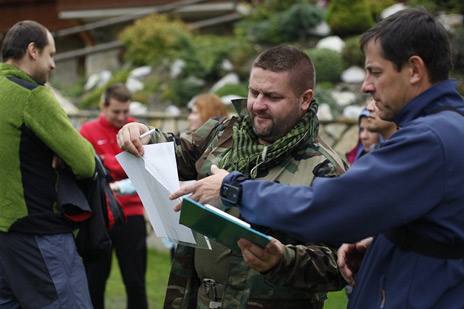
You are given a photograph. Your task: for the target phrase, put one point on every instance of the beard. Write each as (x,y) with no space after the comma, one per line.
(269,131)
(270,127)
(263,132)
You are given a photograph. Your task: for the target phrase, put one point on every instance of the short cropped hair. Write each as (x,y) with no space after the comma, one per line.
(413,32)
(19,36)
(285,58)
(117,92)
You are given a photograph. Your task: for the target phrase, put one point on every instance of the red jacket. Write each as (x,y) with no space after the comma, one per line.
(102,135)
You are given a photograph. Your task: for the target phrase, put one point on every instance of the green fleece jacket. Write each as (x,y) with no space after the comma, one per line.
(33,129)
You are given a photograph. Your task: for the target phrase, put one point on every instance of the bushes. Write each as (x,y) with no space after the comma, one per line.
(325,96)
(93,98)
(274,23)
(264,32)
(180,91)
(348,17)
(155,38)
(233,89)
(296,22)
(436,6)
(377,6)
(203,58)
(352,54)
(328,64)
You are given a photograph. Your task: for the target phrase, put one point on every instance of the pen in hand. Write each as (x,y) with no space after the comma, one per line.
(148,133)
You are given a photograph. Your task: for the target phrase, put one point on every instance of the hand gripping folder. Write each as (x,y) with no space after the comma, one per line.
(219,225)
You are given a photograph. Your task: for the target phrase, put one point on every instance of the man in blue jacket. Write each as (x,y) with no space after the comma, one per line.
(409,192)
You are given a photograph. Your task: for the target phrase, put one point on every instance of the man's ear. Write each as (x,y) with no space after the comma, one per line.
(32,51)
(417,70)
(306,99)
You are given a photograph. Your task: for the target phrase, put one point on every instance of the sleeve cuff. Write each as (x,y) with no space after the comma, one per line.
(231,189)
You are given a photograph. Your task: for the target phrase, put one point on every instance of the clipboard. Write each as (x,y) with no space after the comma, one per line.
(219,225)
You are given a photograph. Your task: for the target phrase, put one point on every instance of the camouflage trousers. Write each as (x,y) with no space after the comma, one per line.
(210,295)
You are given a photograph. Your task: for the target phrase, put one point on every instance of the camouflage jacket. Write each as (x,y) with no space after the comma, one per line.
(304,274)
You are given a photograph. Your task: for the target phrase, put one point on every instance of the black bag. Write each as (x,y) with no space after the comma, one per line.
(77,198)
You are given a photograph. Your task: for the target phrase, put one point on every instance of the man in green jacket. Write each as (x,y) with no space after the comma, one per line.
(274,138)
(39,264)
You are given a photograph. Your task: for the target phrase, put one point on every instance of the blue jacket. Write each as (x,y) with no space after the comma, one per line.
(415,179)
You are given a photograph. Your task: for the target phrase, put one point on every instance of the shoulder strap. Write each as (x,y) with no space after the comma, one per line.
(24,83)
(218,136)
(340,165)
(107,193)
(220,133)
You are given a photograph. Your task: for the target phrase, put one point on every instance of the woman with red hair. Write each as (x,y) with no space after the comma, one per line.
(204,107)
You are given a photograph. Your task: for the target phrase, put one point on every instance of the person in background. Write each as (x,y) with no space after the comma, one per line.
(378,125)
(129,239)
(367,138)
(204,107)
(39,264)
(349,256)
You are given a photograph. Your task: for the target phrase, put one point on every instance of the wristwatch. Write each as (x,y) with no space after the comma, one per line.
(231,193)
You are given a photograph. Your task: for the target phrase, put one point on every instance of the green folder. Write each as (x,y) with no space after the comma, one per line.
(219,225)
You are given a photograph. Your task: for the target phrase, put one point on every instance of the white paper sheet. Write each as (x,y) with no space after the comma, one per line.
(154,177)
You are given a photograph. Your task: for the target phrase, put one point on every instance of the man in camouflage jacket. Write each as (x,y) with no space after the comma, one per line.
(275,138)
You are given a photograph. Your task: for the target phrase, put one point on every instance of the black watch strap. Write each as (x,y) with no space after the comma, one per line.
(231,194)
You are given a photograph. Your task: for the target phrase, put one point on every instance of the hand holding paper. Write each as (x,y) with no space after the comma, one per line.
(130,138)
(154,177)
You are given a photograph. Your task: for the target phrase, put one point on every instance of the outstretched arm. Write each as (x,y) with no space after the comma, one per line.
(376,194)
(205,191)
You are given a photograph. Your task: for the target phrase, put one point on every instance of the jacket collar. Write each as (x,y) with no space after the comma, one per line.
(440,94)
(11,70)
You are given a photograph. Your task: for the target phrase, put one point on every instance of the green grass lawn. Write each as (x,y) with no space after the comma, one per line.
(157,277)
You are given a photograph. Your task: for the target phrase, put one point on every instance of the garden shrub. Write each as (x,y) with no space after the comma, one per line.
(279,22)
(204,57)
(296,22)
(180,91)
(437,6)
(233,89)
(351,53)
(377,6)
(328,64)
(264,32)
(155,38)
(323,95)
(348,17)
(92,99)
